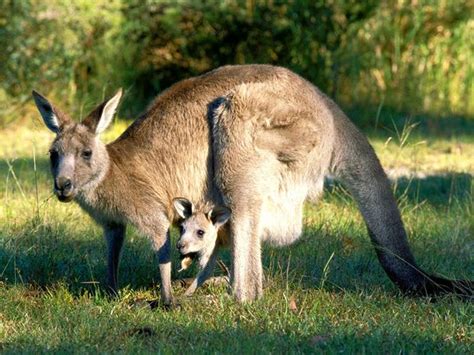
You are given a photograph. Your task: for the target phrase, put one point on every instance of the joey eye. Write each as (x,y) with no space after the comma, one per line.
(181,229)
(86,154)
(200,233)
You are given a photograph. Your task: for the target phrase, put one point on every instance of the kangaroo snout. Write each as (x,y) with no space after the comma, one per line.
(64,188)
(63,183)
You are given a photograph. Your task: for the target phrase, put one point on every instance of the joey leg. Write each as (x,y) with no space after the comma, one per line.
(203,275)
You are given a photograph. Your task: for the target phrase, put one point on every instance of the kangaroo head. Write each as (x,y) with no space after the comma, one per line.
(198,229)
(78,158)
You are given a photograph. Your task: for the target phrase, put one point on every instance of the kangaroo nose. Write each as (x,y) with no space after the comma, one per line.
(63,183)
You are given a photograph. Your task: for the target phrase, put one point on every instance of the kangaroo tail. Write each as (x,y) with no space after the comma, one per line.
(354,162)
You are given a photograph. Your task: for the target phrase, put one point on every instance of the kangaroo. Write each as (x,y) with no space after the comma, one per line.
(258,137)
(201,235)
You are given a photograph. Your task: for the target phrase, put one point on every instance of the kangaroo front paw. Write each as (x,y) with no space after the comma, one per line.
(190,291)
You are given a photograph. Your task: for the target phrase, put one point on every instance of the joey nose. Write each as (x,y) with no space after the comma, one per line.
(179,245)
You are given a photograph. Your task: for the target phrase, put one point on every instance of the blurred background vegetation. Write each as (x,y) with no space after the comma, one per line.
(411,56)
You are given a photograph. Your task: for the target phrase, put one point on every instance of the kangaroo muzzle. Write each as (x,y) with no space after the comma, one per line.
(64,188)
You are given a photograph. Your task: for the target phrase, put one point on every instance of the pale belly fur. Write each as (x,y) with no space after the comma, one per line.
(281,218)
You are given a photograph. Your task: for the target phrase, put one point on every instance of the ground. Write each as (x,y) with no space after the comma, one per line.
(325,293)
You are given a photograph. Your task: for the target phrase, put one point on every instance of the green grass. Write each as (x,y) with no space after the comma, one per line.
(326,293)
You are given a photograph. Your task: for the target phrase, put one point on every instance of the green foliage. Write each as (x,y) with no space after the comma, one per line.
(407,55)
(57,47)
(416,54)
(175,41)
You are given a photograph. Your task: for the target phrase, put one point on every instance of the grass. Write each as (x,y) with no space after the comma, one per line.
(326,293)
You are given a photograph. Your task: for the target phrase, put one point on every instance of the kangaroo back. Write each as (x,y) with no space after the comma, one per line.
(357,166)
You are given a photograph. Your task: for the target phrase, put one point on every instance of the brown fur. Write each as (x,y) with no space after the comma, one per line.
(259,138)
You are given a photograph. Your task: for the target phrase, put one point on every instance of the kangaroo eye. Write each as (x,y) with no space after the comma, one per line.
(181,229)
(54,155)
(86,154)
(200,233)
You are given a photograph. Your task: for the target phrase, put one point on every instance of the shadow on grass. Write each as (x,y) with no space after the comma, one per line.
(436,189)
(341,263)
(43,255)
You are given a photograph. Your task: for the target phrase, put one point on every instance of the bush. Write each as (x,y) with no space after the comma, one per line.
(58,47)
(409,55)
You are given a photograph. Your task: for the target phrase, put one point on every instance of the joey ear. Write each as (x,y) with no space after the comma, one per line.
(100,118)
(219,215)
(183,207)
(52,117)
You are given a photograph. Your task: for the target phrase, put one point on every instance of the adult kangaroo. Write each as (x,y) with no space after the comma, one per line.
(258,137)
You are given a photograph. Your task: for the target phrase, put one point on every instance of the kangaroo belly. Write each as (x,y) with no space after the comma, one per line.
(282,214)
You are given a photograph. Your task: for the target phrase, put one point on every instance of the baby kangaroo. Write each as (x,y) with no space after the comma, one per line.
(200,235)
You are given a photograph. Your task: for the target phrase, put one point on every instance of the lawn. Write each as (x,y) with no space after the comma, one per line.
(326,293)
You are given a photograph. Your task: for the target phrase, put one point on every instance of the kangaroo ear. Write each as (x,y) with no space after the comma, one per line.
(53,118)
(183,207)
(219,215)
(99,119)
